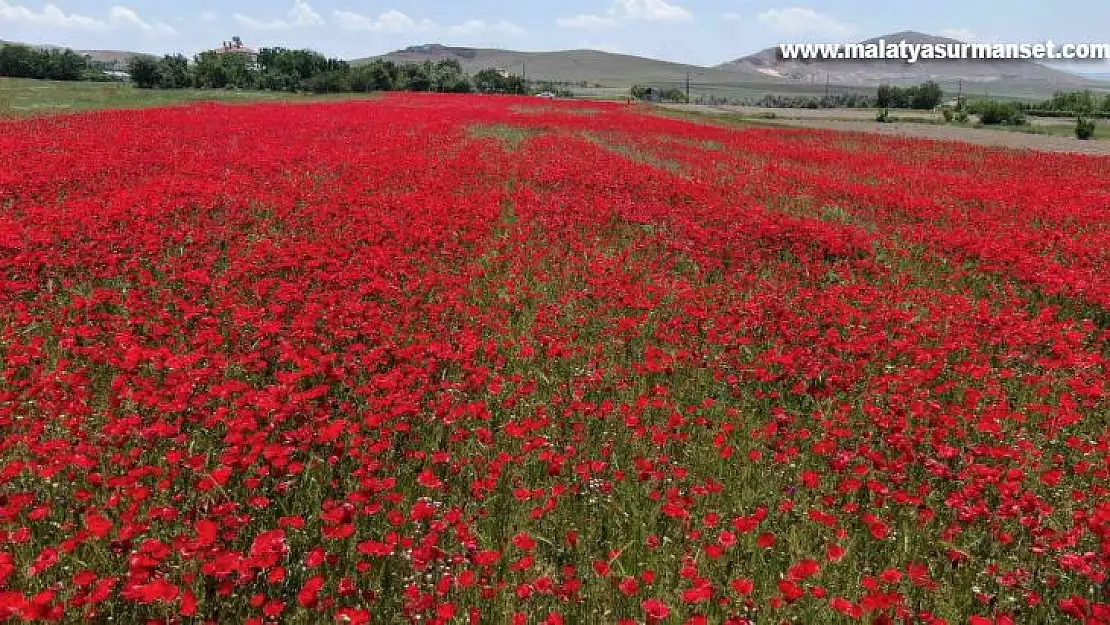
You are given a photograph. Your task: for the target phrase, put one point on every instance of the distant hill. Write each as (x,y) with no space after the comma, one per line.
(1011,74)
(592,67)
(604,74)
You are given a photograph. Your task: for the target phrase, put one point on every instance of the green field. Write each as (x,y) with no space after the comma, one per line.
(22,97)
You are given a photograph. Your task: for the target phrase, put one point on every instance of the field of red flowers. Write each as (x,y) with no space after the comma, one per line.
(458,359)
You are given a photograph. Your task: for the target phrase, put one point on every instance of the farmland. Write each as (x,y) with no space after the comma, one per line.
(450,359)
(24,97)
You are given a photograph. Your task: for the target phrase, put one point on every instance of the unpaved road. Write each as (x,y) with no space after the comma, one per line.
(834,119)
(979,136)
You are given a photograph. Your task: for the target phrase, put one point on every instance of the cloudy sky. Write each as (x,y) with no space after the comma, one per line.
(703,32)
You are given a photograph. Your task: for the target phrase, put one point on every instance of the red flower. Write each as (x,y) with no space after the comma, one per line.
(804,569)
(655,610)
(743,586)
(310,591)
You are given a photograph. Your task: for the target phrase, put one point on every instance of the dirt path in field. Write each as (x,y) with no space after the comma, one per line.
(998,138)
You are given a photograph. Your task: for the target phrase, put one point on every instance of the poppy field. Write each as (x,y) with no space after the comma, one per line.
(457,359)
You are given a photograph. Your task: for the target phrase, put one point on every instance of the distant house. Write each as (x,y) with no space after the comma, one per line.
(236,47)
(504,73)
(117,75)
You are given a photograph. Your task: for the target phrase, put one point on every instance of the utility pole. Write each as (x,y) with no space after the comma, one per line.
(524,71)
(826,86)
(960,94)
(687,87)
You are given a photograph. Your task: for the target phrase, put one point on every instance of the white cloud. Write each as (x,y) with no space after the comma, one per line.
(731,16)
(396,22)
(627,10)
(652,10)
(475,27)
(962,34)
(302,14)
(119,17)
(586,22)
(803,21)
(389,22)
(209,16)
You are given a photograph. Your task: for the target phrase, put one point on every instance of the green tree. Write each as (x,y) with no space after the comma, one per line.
(144,71)
(20,61)
(1084,128)
(448,77)
(65,65)
(377,75)
(17,61)
(993,112)
(926,96)
(334,81)
(673,95)
(174,72)
(416,77)
(216,70)
(891,96)
(491,81)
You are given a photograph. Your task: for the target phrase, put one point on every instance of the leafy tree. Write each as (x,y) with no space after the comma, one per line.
(174,72)
(448,77)
(1075,102)
(491,81)
(416,77)
(217,70)
(144,71)
(274,80)
(65,65)
(890,96)
(20,61)
(926,96)
(673,95)
(377,75)
(993,112)
(334,81)
(1084,128)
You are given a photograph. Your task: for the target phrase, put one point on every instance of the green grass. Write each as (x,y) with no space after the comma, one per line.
(1102,129)
(21,97)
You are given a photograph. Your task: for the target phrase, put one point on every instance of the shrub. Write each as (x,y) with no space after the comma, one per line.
(1084,128)
(993,113)
(948,114)
(883,117)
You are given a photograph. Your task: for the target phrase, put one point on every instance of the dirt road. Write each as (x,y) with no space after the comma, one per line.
(849,120)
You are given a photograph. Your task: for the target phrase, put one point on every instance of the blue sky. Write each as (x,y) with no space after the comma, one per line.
(703,32)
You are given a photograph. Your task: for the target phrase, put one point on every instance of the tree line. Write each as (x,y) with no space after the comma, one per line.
(1072,103)
(281,69)
(925,97)
(274,69)
(18,61)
